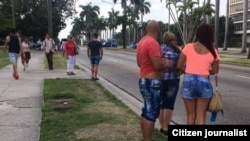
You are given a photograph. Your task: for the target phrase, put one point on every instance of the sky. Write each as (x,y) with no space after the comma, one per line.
(158,11)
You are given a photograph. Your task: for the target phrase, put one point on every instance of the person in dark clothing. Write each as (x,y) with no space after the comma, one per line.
(95,53)
(13,43)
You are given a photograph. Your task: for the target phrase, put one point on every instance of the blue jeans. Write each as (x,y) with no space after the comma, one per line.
(95,60)
(150,91)
(169,90)
(196,86)
(13,57)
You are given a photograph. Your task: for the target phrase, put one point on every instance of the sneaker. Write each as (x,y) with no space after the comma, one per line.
(72,73)
(16,76)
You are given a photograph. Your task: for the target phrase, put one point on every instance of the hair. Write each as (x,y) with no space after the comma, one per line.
(13,31)
(205,35)
(169,39)
(70,37)
(95,35)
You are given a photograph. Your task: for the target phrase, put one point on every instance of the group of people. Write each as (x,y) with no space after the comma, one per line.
(22,47)
(15,45)
(159,79)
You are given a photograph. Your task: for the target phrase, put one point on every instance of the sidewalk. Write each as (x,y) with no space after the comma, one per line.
(21,100)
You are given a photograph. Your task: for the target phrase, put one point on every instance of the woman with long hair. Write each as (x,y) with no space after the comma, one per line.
(201,59)
(170,81)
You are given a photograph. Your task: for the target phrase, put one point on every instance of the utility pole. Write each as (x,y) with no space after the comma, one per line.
(13,14)
(49,6)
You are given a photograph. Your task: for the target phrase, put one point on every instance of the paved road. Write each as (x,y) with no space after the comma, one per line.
(121,70)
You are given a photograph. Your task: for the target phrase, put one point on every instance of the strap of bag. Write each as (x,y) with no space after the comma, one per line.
(214,114)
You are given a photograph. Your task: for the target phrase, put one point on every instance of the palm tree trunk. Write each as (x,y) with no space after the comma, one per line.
(184,22)
(217,13)
(248,56)
(244,35)
(226,28)
(124,23)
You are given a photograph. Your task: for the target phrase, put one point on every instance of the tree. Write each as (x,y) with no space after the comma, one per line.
(187,15)
(226,28)
(216,24)
(112,21)
(88,17)
(32,18)
(244,35)
(124,18)
(143,8)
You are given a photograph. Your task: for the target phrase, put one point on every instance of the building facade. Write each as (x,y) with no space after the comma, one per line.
(236,13)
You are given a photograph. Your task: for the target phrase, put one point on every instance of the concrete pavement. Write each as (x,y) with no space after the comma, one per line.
(21,100)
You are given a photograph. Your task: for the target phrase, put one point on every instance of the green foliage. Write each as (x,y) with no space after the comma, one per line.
(4,58)
(32,16)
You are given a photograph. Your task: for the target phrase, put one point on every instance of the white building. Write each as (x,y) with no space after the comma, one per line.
(236,13)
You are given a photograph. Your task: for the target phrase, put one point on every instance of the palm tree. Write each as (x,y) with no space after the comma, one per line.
(216,24)
(88,16)
(244,35)
(124,19)
(112,21)
(226,28)
(143,8)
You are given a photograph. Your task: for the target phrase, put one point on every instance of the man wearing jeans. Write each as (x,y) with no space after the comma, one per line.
(13,43)
(95,53)
(149,60)
(49,46)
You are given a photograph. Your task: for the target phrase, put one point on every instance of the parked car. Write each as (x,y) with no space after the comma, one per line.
(110,43)
(132,45)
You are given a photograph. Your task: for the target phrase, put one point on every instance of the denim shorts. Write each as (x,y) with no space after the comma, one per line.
(150,91)
(95,60)
(13,57)
(196,86)
(169,92)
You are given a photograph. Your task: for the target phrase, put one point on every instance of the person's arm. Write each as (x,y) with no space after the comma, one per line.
(138,61)
(101,52)
(88,51)
(7,40)
(214,68)
(181,64)
(158,64)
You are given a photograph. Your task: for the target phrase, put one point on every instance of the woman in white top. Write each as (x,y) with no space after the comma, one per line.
(26,55)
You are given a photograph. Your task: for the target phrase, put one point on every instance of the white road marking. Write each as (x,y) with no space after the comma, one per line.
(242,76)
(113,60)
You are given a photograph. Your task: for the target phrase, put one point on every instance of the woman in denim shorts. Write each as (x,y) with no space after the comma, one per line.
(200,59)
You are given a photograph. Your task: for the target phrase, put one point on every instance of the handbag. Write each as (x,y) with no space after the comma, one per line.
(76,50)
(216,103)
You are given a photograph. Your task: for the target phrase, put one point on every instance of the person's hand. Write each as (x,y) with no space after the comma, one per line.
(167,63)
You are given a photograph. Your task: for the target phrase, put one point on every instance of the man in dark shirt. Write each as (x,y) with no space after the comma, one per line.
(95,53)
(13,43)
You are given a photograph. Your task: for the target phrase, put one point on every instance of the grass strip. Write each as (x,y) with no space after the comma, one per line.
(83,110)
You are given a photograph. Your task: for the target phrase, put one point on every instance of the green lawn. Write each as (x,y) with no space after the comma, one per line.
(4,58)
(83,110)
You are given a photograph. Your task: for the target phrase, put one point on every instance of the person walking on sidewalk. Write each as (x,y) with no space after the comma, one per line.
(49,46)
(69,49)
(170,81)
(149,60)
(201,59)
(13,43)
(95,53)
(26,55)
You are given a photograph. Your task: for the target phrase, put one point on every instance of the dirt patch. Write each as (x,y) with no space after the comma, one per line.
(108,132)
